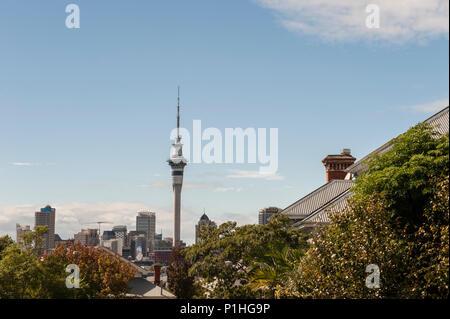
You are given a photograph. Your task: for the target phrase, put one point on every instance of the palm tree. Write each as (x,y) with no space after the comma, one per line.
(272,270)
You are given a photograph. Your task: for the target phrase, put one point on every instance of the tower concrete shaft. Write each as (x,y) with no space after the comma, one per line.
(177,184)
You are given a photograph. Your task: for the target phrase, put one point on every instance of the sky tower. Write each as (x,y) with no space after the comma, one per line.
(177,162)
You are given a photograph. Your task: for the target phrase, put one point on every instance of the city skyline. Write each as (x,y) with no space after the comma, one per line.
(90,135)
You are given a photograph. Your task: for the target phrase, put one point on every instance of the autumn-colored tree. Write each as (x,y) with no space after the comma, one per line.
(101,274)
(24,273)
(179,280)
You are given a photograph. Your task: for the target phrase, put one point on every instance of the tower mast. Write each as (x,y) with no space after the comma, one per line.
(178,116)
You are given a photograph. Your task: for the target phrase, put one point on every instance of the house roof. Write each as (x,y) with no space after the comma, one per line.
(320,216)
(142,287)
(317,199)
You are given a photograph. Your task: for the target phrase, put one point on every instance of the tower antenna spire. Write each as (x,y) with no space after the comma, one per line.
(178,115)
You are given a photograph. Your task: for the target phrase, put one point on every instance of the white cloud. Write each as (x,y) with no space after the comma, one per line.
(159,184)
(336,20)
(31,164)
(22,164)
(254,174)
(430,107)
(228,189)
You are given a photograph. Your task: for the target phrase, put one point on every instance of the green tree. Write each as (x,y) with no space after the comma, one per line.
(223,258)
(179,280)
(430,276)
(20,274)
(272,270)
(397,219)
(5,241)
(402,176)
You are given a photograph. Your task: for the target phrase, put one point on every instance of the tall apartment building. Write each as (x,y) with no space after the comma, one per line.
(46,217)
(20,230)
(146,222)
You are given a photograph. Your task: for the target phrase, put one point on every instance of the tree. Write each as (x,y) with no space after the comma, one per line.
(102,275)
(20,274)
(359,236)
(401,177)
(24,273)
(179,280)
(223,258)
(272,271)
(5,241)
(35,239)
(397,219)
(430,277)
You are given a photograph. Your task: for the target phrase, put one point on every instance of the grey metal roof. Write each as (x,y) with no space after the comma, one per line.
(317,199)
(439,121)
(320,216)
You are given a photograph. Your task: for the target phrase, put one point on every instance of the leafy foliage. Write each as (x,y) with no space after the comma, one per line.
(179,280)
(5,241)
(224,257)
(397,219)
(24,273)
(402,176)
(101,274)
(272,272)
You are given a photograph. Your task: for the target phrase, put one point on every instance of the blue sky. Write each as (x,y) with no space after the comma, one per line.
(85,114)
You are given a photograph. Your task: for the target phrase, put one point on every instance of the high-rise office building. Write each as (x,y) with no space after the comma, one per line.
(46,217)
(20,230)
(146,222)
(265,214)
(177,163)
(121,233)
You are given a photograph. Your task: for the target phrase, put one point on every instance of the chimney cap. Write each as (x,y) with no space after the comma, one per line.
(346,151)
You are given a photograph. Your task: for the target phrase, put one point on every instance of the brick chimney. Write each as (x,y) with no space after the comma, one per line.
(335,165)
(157,274)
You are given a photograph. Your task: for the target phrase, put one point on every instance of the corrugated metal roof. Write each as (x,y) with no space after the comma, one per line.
(439,121)
(317,199)
(320,216)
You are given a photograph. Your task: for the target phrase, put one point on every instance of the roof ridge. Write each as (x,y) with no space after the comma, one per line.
(436,114)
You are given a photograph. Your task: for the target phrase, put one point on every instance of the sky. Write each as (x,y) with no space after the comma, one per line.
(86,114)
